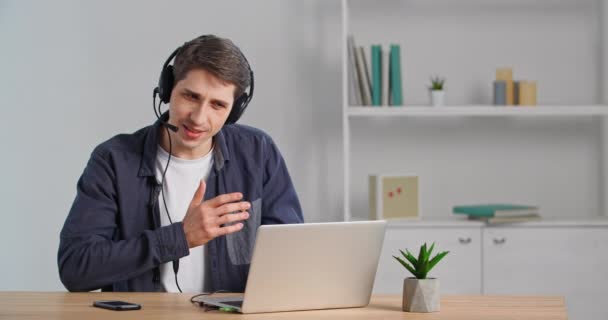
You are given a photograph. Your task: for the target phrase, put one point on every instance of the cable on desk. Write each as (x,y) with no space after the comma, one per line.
(204,305)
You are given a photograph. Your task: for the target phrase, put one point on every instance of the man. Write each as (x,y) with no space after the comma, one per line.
(177,204)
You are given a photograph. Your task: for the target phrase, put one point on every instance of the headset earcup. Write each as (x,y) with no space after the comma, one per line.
(165,84)
(238,108)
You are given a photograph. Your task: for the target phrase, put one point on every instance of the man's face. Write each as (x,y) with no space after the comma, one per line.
(199,106)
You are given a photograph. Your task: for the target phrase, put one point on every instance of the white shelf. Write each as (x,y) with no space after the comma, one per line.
(475,110)
(583,94)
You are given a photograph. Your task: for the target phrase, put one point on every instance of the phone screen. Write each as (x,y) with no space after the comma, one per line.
(117,305)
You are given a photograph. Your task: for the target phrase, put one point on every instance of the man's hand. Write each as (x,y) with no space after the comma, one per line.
(203,221)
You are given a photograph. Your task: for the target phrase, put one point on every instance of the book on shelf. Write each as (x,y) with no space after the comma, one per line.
(493,210)
(385,76)
(355,97)
(376,75)
(375,81)
(364,81)
(506,219)
(395,75)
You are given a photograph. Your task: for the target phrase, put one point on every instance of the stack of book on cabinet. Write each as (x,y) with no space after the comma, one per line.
(498,213)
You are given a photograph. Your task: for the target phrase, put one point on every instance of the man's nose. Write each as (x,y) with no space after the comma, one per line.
(199,114)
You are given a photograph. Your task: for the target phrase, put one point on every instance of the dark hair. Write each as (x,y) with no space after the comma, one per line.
(219,56)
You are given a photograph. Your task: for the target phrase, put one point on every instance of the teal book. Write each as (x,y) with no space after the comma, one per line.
(376,75)
(395,75)
(510,219)
(495,210)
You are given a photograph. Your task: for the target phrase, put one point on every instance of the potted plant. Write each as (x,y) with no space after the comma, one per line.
(421,294)
(437,91)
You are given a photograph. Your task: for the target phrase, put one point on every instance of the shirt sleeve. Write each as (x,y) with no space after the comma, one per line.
(280,202)
(89,257)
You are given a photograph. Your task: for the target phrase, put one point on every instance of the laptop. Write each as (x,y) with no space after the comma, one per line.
(309,267)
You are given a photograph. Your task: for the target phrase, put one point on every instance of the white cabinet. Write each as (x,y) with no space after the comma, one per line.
(568,261)
(459,271)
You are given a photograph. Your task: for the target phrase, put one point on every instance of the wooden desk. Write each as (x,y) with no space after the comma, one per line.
(55,305)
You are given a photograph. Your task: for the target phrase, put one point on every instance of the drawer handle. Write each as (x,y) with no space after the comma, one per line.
(500,241)
(464,240)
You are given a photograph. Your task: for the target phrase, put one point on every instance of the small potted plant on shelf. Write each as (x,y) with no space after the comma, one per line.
(437,91)
(421,294)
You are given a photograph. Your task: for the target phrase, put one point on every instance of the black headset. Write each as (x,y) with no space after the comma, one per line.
(167,81)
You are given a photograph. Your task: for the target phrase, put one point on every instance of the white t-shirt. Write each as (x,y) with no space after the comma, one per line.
(181,181)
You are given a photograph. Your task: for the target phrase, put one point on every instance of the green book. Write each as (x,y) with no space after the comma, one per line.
(495,210)
(376,75)
(513,219)
(396,98)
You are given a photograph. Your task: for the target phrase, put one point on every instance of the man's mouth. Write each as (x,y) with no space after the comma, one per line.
(192,133)
(193,129)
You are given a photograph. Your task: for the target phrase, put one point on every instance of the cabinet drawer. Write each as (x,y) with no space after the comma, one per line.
(570,262)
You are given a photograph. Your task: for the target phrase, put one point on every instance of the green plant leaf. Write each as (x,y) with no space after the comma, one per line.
(409,253)
(403,262)
(437,83)
(422,262)
(436,260)
(430,252)
(421,266)
(406,265)
(427,256)
(422,275)
(410,258)
(421,254)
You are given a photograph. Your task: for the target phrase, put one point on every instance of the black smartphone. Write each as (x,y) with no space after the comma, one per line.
(116,305)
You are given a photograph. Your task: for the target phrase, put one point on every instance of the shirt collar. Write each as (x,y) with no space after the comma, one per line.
(146,167)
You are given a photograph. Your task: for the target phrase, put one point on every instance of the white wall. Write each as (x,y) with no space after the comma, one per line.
(75,73)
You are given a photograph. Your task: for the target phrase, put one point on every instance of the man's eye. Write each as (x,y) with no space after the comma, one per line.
(190,96)
(218,105)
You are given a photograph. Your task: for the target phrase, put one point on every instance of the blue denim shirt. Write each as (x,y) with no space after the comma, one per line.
(112,238)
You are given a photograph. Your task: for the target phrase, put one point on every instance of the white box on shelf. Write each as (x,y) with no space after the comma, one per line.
(394,197)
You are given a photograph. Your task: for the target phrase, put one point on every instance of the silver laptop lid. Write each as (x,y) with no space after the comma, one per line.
(313,266)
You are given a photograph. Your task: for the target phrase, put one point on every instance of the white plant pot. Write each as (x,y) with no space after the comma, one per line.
(421,295)
(437,98)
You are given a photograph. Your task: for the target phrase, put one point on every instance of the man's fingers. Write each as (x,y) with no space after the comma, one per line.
(228,218)
(224,198)
(232,207)
(229,229)
(199,194)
